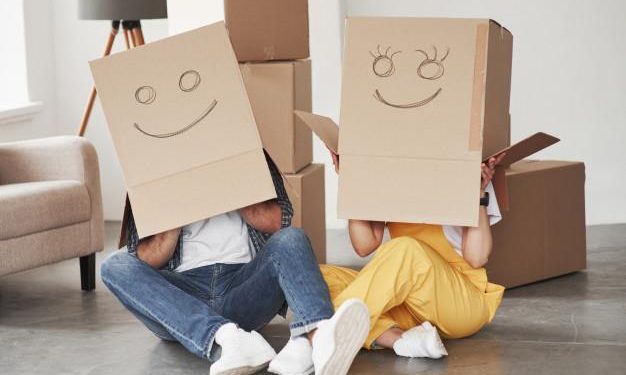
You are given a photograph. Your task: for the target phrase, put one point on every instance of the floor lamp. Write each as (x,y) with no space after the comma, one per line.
(128,14)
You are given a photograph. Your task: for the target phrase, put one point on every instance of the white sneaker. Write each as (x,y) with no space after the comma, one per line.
(422,341)
(243,352)
(338,339)
(294,359)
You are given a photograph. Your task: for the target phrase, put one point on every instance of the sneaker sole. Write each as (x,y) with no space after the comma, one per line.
(307,372)
(246,370)
(351,331)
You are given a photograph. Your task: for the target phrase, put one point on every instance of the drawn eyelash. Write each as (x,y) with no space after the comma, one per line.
(382,58)
(429,61)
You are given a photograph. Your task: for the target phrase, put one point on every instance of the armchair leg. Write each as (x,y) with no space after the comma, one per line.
(88,272)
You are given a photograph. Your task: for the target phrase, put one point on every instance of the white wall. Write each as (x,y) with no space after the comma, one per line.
(568,80)
(33,32)
(13,89)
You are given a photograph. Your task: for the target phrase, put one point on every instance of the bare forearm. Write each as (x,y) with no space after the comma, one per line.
(157,250)
(365,235)
(477,241)
(265,216)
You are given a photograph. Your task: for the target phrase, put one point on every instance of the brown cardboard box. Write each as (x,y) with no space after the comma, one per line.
(423,101)
(306,192)
(183,129)
(263,30)
(275,90)
(542,235)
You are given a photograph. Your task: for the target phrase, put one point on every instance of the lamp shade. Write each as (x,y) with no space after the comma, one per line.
(129,10)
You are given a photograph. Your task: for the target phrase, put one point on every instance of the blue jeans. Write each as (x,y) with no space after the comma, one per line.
(190,306)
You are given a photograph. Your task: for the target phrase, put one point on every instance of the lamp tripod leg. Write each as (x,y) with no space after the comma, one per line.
(115,25)
(127,39)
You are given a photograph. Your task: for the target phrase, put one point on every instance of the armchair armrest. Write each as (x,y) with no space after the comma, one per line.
(57,158)
(45,159)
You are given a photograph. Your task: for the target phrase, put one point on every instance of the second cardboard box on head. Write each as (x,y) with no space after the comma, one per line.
(271,41)
(424,102)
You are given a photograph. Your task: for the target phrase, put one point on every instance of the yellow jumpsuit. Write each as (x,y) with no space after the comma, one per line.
(417,276)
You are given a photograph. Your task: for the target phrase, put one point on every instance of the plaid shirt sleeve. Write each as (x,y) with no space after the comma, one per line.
(259,238)
(132,240)
(281,194)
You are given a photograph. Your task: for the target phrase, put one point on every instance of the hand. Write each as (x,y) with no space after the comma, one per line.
(157,249)
(335,158)
(487,170)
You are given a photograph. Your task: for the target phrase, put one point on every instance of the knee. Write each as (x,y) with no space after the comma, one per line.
(288,242)
(116,265)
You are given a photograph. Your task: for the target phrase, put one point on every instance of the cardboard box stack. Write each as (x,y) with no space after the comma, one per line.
(271,42)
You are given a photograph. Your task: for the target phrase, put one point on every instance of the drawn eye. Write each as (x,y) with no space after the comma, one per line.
(431,68)
(383,65)
(145,94)
(189,80)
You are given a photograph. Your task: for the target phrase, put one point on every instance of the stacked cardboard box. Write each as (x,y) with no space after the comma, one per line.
(271,42)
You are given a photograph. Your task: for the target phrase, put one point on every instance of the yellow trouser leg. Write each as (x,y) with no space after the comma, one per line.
(338,279)
(407,273)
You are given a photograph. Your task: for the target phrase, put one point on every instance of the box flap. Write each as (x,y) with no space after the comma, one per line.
(210,190)
(525,148)
(515,153)
(395,196)
(323,127)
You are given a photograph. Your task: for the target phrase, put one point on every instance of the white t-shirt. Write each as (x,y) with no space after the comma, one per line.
(218,239)
(454,234)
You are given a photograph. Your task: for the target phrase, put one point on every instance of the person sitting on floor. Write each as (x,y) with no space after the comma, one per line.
(211,284)
(426,279)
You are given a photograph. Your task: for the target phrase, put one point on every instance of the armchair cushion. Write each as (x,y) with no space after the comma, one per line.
(32,207)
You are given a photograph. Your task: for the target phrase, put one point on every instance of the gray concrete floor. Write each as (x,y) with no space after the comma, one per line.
(574,324)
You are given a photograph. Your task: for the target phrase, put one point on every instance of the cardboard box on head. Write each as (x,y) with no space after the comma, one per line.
(183,129)
(423,101)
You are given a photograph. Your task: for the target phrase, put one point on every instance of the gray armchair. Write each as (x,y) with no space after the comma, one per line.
(50,205)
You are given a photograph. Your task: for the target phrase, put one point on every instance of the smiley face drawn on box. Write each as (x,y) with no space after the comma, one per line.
(188,82)
(176,104)
(430,68)
(407,87)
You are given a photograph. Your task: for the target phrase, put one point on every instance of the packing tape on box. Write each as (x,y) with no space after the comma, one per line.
(478,95)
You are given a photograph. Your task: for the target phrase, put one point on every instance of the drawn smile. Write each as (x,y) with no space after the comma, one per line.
(182,130)
(378,96)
